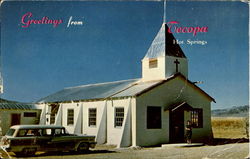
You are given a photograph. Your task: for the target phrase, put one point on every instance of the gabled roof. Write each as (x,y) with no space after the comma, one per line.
(88,92)
(109,90)
(23,106)
(136,88)
(183,78)
(163,45)
(117,89)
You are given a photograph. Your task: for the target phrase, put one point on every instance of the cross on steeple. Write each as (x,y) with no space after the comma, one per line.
(176,64)
(167,55)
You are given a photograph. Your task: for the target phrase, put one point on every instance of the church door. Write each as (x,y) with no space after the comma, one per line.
(177,126)
(15,119)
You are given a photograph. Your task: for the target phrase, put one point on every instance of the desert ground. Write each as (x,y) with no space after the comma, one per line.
(229,127)
(225,151)
(230,143)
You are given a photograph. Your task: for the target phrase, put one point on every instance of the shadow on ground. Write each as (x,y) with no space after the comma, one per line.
(223,141)
(75,153)
(44,154)
(211,142)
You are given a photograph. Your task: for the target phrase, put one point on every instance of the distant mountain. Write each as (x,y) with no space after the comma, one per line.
(235,111)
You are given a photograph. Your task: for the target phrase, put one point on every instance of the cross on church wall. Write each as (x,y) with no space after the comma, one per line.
(176,65)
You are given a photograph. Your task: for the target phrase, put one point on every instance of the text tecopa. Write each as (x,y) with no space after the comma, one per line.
(180,29)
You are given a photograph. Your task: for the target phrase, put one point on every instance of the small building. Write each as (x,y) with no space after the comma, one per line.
(147,111)
(13,113)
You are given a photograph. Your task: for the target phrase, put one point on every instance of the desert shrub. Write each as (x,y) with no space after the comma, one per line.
(228,122)
(229,127)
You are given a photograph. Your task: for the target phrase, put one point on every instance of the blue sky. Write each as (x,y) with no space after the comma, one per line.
(42,59)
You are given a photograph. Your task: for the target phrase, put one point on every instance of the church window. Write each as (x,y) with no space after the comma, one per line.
(197,118)
(153,117)
(153,63)
(119,116)
(92,116)
(70,119)
(52,118)
(54,109)
(29,114)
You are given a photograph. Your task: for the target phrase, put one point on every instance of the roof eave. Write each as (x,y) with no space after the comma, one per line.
(87,100)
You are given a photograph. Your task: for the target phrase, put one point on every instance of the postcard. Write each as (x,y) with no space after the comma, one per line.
(124,79)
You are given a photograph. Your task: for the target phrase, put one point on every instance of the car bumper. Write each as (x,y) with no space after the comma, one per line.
(12,148)
(5,147)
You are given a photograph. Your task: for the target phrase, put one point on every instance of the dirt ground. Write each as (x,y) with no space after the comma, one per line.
(224,151)
(228,144)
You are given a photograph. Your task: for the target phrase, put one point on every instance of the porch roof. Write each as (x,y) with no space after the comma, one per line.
(180,105)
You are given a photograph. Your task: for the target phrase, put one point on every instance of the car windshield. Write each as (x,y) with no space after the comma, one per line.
(10,132)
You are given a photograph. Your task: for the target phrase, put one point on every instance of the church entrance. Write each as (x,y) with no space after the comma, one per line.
(15,119)
(177,125)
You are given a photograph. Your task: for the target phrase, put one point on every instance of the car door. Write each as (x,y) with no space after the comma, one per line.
(61,141)
(43,139)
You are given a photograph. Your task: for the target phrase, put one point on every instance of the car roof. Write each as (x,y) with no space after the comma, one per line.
(36,127)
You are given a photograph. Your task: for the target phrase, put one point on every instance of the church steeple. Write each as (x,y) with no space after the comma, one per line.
(164,44)
(164,57)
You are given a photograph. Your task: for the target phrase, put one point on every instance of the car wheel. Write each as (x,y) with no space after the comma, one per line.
(18,154)
(26,152)
(83,147)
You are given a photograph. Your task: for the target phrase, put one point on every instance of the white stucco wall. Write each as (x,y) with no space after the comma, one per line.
(196,101)
(104,130)
(100,129)
(144,136)
(171,66)
(174,91)
(58,117)
(120,136)
(65,107)
(166,68)
(153,73)
(43,108)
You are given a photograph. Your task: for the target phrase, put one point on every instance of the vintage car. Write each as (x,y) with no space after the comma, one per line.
(27,139)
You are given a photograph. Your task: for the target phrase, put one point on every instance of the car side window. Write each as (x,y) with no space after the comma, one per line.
(41,132)
(21,132)
(36,132)
(59,132)
(32,133)
(47,132)
(28,132)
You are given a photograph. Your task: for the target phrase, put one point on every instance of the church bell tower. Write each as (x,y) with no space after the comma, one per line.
(164,58)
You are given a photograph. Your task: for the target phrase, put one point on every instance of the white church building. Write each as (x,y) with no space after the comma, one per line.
(147,111)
